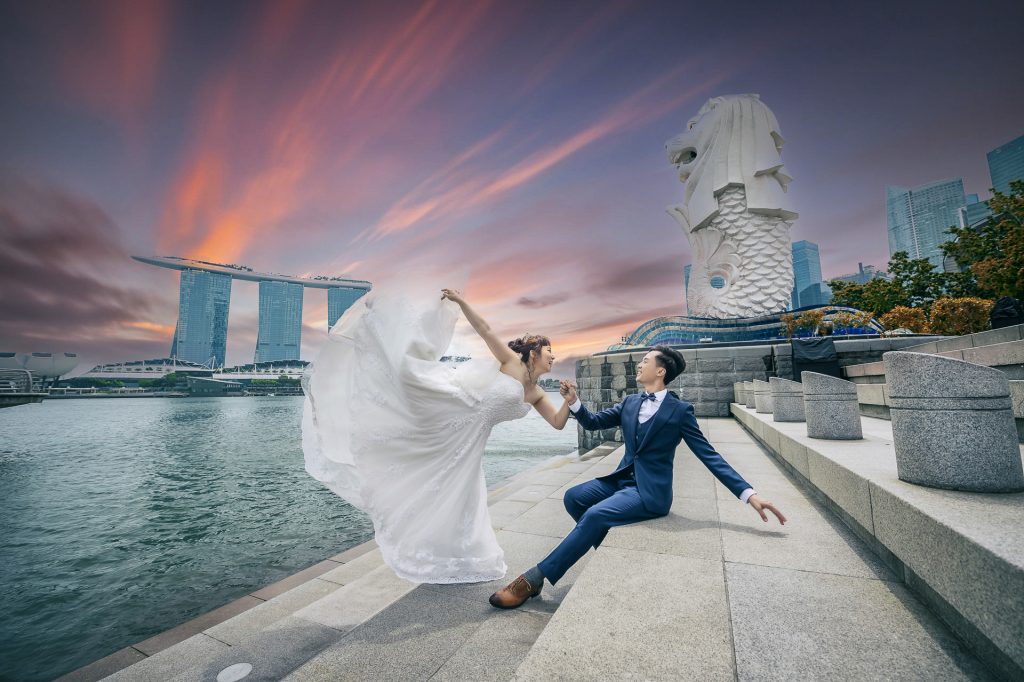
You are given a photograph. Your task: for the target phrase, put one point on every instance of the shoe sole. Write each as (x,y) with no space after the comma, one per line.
(500,606)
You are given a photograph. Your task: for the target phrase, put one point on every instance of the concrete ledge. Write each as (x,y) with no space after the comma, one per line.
(962,553)
(986,338)
(246,617)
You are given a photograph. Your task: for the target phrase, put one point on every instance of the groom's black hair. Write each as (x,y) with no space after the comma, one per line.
(671,360)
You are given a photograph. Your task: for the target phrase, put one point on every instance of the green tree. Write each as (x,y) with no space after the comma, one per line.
(994,252)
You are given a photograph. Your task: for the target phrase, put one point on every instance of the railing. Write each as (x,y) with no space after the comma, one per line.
(15,381)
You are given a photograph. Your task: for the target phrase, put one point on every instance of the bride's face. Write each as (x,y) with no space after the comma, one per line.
(543,359)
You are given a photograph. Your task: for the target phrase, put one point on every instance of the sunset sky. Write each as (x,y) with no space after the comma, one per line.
(519,143)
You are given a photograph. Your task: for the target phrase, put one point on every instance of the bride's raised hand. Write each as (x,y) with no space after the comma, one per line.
(453,295)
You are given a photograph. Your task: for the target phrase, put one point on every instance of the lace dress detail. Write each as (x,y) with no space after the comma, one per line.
(400,435)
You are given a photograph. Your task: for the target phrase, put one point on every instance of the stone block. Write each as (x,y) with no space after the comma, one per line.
(1017,398)
(871,394)
(714,364)
(618,383)
(705,380)
(762,396)
(748,394)
(954,343)
(994,336)
(787,400)
(967,549)
(617,624)
(863,629)
(725,378)
(1010,353)
(952,424)
(737,392)
(743,364)
(830,407)
(928,347)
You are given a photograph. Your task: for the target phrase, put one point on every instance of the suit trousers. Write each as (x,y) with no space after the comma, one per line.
(596,506)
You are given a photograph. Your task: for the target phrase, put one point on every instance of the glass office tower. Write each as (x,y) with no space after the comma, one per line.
(280,328)
(806,271)
(202,329)
(340,299)
(918,217)
(1006,163)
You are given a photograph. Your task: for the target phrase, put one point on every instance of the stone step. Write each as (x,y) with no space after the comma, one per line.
(960,552)
(710,592)
(1007,356)
(281,626)
(976,340)
(451,632)
(275,593)
(319,609)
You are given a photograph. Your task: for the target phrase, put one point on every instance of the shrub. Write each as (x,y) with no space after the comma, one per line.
(907,318)
(810,319)
(958,316)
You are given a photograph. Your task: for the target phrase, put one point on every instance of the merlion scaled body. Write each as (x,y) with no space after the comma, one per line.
(735,211)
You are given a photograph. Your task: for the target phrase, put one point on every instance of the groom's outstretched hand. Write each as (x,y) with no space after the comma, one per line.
(760,505)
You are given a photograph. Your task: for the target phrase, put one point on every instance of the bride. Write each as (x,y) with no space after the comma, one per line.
(401,435)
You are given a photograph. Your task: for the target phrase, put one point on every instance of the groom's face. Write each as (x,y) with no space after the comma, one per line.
(648,371)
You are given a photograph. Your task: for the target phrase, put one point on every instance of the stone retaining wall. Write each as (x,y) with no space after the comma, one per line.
(606,378)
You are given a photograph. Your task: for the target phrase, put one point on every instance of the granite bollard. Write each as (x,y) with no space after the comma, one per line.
(737,391)
(762,396)
(952,424)
(830,407)
(748,394)
(787,400)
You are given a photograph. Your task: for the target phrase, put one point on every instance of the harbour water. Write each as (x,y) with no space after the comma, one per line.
(123,518)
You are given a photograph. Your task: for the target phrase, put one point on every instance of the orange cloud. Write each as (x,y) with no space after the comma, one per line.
(273,172)
(455,191)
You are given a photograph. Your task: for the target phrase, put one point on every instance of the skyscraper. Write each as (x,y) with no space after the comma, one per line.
(339,300)
(280,330)
(918,217)
(1006,163)
(202,329)
(806,271)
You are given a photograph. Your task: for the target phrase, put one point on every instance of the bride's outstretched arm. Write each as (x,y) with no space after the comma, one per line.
(557,418)
(498,348)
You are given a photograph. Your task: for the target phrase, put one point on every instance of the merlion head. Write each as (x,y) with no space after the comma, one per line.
(733,140)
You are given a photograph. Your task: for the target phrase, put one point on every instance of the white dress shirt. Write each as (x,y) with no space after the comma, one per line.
(647,410)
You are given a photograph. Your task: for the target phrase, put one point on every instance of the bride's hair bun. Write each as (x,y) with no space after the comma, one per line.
(526,343)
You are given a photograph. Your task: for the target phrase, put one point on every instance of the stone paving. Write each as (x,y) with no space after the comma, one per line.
(707,592)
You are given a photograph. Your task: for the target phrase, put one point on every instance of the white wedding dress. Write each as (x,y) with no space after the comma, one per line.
(400,435)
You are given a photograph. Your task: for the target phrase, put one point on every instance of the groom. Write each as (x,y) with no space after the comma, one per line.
(640,488)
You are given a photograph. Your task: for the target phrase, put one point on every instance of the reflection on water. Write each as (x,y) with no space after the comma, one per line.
(124,517)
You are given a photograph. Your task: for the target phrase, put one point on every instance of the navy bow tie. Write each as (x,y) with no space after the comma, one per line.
(648,396)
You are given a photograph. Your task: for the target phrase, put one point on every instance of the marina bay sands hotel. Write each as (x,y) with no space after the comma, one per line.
(201,333)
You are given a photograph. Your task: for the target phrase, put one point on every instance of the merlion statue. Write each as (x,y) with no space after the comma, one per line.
(735,209)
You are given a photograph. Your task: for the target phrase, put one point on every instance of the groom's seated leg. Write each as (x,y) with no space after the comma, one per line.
(582,497)
(619,509)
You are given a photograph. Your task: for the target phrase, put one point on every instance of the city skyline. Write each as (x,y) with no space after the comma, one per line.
(519,144)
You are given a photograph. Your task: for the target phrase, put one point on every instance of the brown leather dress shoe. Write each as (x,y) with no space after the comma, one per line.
(514,594)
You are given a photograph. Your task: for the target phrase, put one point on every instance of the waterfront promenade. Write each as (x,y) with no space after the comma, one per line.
(708,592)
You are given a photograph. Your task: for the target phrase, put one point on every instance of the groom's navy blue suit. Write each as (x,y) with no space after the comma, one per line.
(640,488)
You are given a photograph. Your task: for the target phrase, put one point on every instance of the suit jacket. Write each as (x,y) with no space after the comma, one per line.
(652,459)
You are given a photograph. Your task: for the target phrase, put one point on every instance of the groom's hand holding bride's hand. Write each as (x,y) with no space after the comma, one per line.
(568,391)
(760,505)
